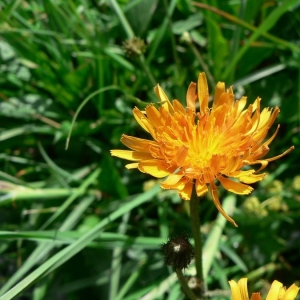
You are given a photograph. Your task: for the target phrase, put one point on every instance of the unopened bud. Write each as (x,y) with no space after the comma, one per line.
(178,252)
(134,47)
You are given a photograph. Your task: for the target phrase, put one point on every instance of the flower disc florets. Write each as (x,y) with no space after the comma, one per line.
(202,146)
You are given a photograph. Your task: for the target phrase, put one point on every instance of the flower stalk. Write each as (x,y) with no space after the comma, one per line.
(195,222)
(184,285)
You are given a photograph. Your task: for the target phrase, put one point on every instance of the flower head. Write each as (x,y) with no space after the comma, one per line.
(277,291)
(178,252)
(200,147)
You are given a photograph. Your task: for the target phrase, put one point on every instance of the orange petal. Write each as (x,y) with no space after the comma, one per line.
(178,107)
(217,203)
(231,96)
(180,156)
(223,99)
(235,187)
(255,296)
(278,156)
(154,167)
(258,153)
(191,96)
(154,116)
(131,155)
(202,88)
(220,89)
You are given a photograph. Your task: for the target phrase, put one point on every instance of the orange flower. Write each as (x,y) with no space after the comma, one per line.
(277,291)
(212,144)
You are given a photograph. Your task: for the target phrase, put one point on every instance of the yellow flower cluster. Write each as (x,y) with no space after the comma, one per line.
(277,291)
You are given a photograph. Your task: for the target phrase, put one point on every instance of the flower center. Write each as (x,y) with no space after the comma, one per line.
(204,149)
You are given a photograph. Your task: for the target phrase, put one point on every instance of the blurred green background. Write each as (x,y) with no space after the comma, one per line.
(75,224)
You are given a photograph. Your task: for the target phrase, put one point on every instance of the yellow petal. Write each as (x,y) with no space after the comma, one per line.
(274,290)
(291,293)
(132,166)
(268,142)
(143,121)
(252,178)
(191,96)
(131,155)
(281,293)
(235,187)
(201,188)
(242,283)
(263,163)
(235,291)
(240,291)
(256,104)
(172,179)
(217,203)
(186,192)
(202,88)
(247,176)
(163,98)
(154,167)
(137,144)
(241,104)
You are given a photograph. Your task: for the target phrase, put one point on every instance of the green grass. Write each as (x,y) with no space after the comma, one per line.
(74,223)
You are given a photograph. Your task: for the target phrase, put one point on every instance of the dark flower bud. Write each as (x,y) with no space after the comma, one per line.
(134,46)
(178,252)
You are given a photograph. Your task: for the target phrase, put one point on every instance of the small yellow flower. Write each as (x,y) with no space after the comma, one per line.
(212,144)
(277,291)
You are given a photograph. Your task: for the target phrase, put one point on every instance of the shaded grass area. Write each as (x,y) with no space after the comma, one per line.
(75,223)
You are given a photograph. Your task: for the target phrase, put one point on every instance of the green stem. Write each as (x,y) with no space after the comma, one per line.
(195,220)
(184,285)
(122,18)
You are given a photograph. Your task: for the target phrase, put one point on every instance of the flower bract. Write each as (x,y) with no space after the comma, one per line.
(197,145)
(277,291)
